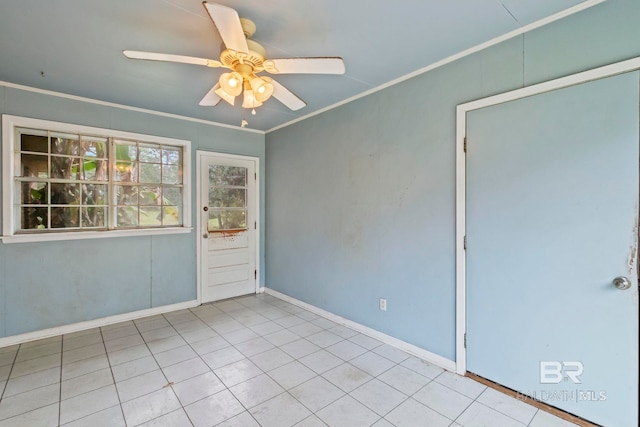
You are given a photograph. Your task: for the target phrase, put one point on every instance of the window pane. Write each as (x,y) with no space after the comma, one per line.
(150,216)
(227,220)
(37,143)
(127,216)
(92,146)
(65,194)
(34,218)
(171,174)
(171,156)
(68,145)
(171,215)
(172,196)
(150,173)
(65,167)
(94,194)
(227,197)
(34,193)
(149,153)
(126,172)
(95,170)
(34,165)
(149,196)
(94,216)
(126,195)
(227,175)
(65,217)
(126,151)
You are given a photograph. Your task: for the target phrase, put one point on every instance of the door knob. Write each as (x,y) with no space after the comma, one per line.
(621,283)
(205,236)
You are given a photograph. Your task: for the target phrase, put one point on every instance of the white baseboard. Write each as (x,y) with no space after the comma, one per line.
(421,353)
(96,323)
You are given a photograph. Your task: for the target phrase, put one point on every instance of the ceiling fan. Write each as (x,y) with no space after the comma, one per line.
(245,59)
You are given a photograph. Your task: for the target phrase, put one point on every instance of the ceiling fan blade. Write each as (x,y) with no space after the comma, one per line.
(329,65)
(228,23)
(135,54)
(211,99)
(287,97)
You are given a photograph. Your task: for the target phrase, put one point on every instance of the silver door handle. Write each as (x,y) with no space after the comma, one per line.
(622,283)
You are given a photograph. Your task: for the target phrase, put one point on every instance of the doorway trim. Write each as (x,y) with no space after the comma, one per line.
(461,134)
(199,226)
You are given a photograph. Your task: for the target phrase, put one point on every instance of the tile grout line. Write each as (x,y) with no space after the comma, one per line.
(13,364)
(60,386)
(112,376)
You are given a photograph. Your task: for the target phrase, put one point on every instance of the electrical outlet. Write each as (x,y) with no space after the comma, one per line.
(383,304)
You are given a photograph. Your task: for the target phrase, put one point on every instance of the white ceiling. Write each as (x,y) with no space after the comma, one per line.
(74,46)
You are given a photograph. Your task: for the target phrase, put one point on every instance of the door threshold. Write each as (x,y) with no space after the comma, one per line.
(533,402)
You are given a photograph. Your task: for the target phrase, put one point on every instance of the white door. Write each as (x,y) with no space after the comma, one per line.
(552,199)
(227,225)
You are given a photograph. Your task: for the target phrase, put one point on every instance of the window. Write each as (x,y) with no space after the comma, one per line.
(60,178)
(227,198)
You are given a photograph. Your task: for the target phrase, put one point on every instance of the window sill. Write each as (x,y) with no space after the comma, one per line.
(80,235)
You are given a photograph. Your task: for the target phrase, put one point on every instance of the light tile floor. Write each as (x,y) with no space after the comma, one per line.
(249,361)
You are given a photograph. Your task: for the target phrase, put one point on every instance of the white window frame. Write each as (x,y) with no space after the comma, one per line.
(10,144)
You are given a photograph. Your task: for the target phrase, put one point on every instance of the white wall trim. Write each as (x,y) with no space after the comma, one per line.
(421,353)
(525,29)
(81,235)
(96,323)
(125,107)
(461,133)
(256,160)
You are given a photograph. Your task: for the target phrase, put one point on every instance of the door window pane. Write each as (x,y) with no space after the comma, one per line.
(227,219)
(227,197)
(227,176)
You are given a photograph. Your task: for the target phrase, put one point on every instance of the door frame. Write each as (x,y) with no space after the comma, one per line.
(200,154)
(461,134)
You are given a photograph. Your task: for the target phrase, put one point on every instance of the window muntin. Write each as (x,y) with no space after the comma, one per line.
(68,181)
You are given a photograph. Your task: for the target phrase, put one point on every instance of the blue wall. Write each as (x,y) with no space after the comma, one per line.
(361,199)
(49,284)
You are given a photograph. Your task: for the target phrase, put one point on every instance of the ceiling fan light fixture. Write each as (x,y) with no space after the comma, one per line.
(262,88)
(224,95)
(231,83)
(249,100)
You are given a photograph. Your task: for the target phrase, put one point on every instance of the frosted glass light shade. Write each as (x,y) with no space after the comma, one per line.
(262,88)
(224,95)
(231,83)
(249,100)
